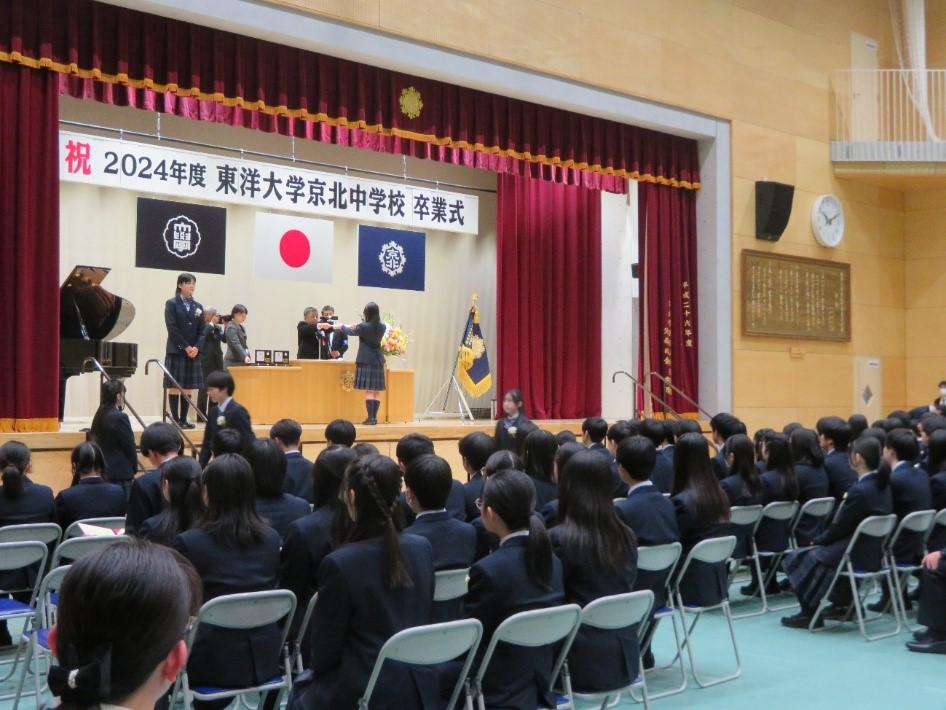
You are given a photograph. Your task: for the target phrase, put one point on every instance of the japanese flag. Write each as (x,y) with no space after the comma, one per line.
(294,248)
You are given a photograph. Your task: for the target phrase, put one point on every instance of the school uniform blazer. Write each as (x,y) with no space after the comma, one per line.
(911,492)
(505,442)
(518,678)
(232,657)
(91,497)
(308,338)
(280,512)
(600,448)
(703,584)
(599,659)
(211,355)
(863,500)
(298,476)
(662,475)
(812,482)
(184,329)
(332,340)
(472,490)
(307,542)
(841,477)
(650,514)
(549,514)
(237,352)
(773,536)
(117,442)
(236,417)
(938,491)
(369,337)
(144,500)
(545,491)
(619,488)
(355,614)
(35,505)
(456,504)
(453,541)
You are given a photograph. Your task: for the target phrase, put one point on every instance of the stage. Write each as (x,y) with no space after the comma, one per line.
(51,465)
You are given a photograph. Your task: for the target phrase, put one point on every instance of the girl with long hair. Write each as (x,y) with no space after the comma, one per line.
(111,429)
(90,495)
(538,457)
(369,361)
(180,487)
(742,486)
(277,508)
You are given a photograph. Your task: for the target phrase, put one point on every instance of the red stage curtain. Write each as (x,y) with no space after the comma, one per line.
(127,57)
(29,249)
(667,238)
(548,296)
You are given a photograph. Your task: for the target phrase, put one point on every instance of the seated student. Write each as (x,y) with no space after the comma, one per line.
(180,485)
(809,465)
(723,426)
(311,538)
(501,460)
(521,574)
(111,429)
(276,508)
(475,448)
(365,449)
(834,434)
(550,511)
(932,611)
(646,510)
(565,436)
(617,433)
(226,413)
(858,423)
(538,458)
(662,475)
(340,432)
(122,615)
(412,446)
(936,457)
(780,484)
(743,485)
(160,442)
(758,440)
(599,558)
(90,495)
(594,430)
(233,551)
(287,433)
(378,583)
(702,513)
(810,570)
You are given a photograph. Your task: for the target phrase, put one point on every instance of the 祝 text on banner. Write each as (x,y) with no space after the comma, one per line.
(156,169)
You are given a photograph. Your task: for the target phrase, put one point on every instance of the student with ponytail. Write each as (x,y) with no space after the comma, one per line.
(376,584)
(522,573)
(90,495)
(180,486)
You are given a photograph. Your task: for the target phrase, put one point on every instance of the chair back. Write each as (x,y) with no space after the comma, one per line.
(46,599)
(618,611)
(711,551)
(817,507)
(72,549)
(296,656)
(17,555)
(656,558)
(781,510)
(248,610)
(919,523)
(428,645)
(865,551)
(450,584)
(111,523)
(47,533)
(746,515)
(936,535)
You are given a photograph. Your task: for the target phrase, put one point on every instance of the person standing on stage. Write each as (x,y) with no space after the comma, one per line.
(333,344)
(211,357)
(183,317)
(369,362)
(310,336)
(235,335)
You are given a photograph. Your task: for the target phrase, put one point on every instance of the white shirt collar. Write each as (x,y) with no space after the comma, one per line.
(640,485)
(518,533)
(223,405)
(429,512)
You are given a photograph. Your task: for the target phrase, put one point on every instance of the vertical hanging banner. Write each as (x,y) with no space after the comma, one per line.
(293,248)
(391,258)
(178,236)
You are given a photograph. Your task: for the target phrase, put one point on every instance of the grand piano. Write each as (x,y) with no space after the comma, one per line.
(89,317)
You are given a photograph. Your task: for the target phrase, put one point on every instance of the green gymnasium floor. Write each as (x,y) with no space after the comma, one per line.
(787,668)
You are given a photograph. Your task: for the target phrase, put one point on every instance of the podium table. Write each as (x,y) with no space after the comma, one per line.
(318,391)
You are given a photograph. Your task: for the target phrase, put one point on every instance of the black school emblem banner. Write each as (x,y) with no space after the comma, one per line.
(179,236)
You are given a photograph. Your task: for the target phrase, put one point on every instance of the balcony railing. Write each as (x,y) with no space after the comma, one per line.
(889,115)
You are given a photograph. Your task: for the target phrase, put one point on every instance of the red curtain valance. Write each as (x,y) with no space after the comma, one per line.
(128,57)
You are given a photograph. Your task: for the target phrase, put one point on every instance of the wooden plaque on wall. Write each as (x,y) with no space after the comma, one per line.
(795,297)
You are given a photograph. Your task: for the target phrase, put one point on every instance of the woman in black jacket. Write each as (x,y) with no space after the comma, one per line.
(111,430)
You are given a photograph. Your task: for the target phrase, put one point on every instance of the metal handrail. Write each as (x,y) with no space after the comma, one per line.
(646,390)
(667,383)
(165,413)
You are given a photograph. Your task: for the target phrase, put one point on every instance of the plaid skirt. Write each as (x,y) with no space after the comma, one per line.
(186,370)
(369,377)
(809,578)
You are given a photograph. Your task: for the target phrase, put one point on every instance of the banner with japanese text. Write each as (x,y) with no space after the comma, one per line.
(162,170)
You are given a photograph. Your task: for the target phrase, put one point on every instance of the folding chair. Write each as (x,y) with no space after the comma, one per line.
(295,652)
(541,627)
(747,518)
(658,562)
(784,514)
(19,557)
(816,508)
(450,584)
(112,523)
(920,523)
(713,551)
(428,645)
(615,612)
(936,535)
(878,527)
(241,611)
(70,550)
(37,633)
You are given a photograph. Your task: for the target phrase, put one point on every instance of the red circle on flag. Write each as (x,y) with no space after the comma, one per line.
(294,248)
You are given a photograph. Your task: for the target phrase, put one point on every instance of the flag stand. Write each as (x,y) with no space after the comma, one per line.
(463,409)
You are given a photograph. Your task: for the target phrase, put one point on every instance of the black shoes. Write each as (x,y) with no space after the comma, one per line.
(370,421)
(930,644)
(801,620)
(835,612)
(186,425)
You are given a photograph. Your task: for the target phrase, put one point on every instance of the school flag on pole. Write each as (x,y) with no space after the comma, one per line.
(473,367)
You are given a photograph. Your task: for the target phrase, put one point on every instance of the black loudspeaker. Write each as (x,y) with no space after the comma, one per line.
(635,271)
(773,206)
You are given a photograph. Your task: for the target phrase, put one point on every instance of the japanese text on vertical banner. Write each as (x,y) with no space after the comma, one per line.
(159,169)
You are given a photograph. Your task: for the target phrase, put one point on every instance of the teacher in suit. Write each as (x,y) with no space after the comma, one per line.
(183,317)
(235,334)
(369,362)
(333,343)
(309,334)
(226,412)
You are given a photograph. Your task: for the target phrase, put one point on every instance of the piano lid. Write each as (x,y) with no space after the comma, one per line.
(88,311)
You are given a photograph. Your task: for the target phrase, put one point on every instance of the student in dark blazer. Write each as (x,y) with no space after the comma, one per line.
(834,435)
(550,511)
(475,449)
(521,574)
(332,343)
(936,452)
(369,360)
(211,356)
(594,431)
(233,551)
(809,465)
(111,430)
(780,484)
(276,508)
(599,558)
(308,334)
(160,442)
(235,337)
(184,320)
(538,459)
(415,445)
(910,486)
(646,510)
(90,495)
(662,475)
(502,460)
(180,485)
(743,486)
(287,433)
(513,426)
(377,584)
(810,570)
(226,412)
(932,611)
(310,538)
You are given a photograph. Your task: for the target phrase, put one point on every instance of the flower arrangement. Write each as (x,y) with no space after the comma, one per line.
(395,340)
